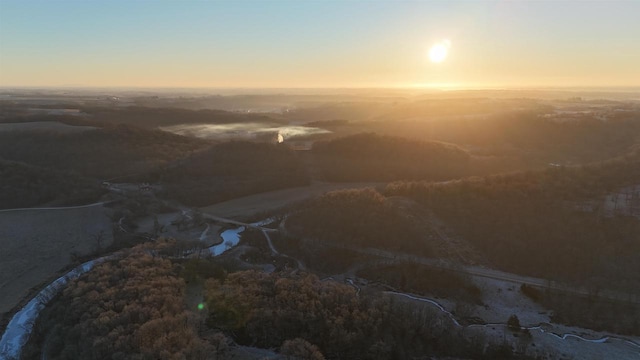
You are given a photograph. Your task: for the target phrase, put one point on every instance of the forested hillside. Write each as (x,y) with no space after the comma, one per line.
(228,170)
(134,306)
(371,157)
(153,117)
(102,153)
(527,135)
(536,223)
(128,308)
(23,185)
(360,218)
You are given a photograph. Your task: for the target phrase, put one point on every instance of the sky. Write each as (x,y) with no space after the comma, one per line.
(311,44)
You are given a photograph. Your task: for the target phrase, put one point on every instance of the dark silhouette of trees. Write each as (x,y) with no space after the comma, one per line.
(371,157)
(296,311)
(232,169)
(356,218)
(23,185)
(534,222)
(102,153)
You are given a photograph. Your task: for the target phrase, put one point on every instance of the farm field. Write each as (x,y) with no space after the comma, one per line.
(37,244)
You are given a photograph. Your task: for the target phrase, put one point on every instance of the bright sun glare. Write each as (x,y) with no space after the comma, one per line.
(439,50)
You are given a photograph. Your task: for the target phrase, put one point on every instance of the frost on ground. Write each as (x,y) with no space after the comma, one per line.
(548,340)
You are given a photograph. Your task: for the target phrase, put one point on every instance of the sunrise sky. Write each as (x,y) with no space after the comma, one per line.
(319,43)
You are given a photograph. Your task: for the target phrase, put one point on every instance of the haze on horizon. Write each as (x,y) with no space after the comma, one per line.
(302,44)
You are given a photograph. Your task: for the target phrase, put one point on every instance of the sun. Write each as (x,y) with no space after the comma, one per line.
(438,52)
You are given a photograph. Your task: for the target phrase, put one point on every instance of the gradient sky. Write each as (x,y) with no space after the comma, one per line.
(318,43)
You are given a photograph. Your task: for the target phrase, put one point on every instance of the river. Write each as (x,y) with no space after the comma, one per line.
(19,328)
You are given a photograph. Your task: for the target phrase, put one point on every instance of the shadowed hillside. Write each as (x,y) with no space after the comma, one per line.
(536,223)
(23,185)
(102,153)
(233,169)
(371,157)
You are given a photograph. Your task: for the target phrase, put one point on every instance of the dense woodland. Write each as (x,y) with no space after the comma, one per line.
(229,170)
(371,157)
(23,185)
(127,308)
(424,280)
(149,117)
(135,307)
(359,218)
(103,153)
(535,223)
(619,317)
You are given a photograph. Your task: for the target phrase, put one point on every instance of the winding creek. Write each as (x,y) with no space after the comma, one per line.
(565,336)
(19,328)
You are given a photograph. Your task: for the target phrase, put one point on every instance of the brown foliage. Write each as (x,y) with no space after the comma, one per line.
(132,307)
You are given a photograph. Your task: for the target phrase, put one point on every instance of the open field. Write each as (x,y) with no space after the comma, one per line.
(38,243)
(272,200)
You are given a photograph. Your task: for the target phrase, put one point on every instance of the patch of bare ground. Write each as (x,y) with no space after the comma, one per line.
(37,244)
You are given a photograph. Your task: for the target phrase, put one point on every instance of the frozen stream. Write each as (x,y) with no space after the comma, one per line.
(230,238)
(20,327)
(539,328)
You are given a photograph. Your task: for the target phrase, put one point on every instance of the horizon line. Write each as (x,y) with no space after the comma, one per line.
(415,87)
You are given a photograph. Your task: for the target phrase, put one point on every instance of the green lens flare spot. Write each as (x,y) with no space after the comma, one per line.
(200,306)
